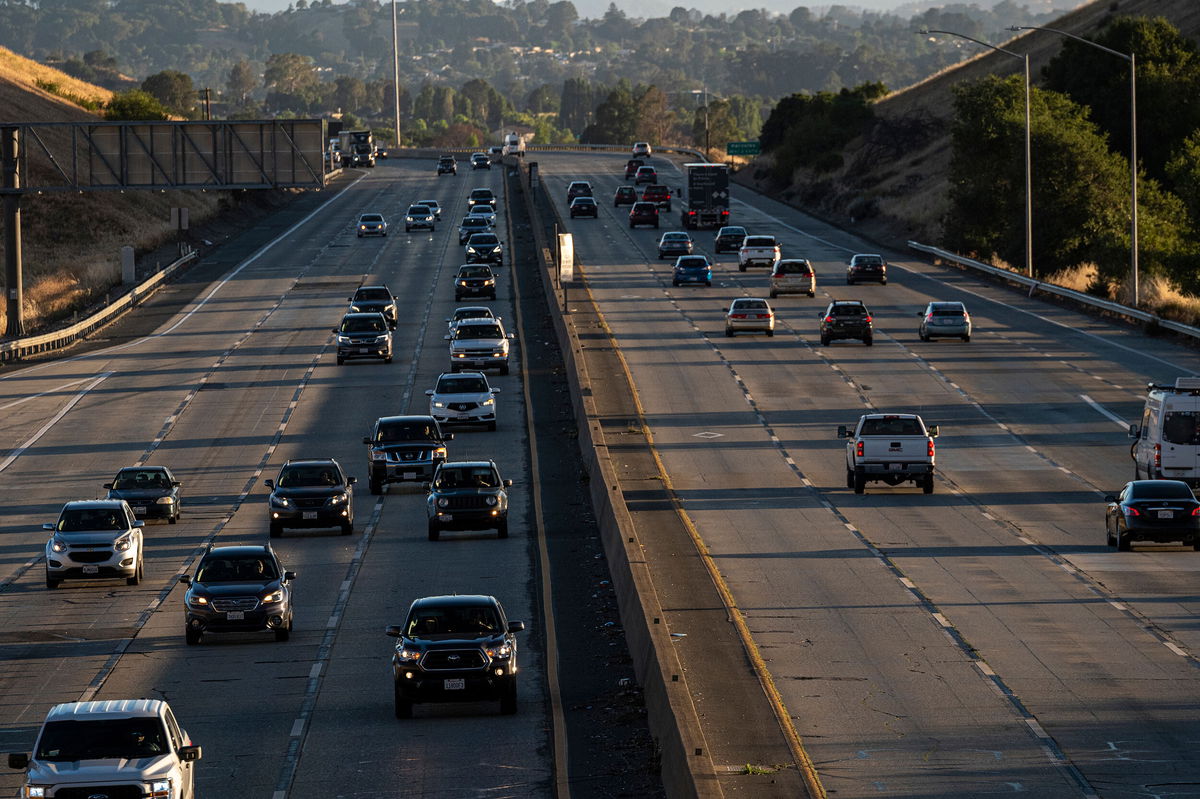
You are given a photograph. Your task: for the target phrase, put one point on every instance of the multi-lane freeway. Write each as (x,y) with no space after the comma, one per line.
(978,641)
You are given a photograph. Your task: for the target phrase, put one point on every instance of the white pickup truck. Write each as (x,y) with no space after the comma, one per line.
(758,251)
(889,447)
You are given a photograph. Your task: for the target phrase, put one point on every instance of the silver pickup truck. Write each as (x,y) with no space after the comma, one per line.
(892,448)
(758,251)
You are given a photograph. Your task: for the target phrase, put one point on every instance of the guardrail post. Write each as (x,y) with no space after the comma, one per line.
(10,146)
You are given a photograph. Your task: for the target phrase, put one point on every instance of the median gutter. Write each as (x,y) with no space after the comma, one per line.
(695,675)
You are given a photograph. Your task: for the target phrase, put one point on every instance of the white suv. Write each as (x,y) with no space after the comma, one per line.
(479,344)
(122,747)
(93,540)
(463,398)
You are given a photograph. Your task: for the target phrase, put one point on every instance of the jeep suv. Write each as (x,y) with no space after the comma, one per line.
(846,319)
(484,248)
(475,280)
(92,540)
(404,449)
(238,589)
(481,196)
(311,493)
(459,648)
(658,194)
(118,747)
(467,495)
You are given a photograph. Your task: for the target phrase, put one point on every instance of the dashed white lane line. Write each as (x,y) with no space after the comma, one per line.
(54,390)
(16,453)
(1121,423)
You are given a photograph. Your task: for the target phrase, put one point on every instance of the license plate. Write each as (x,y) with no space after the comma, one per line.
(91,569)
(454,685)
(408,476)
(895,467)
(139,509)
(235,615)
(446,517)
(309,514)
(364,350)
(1166,514)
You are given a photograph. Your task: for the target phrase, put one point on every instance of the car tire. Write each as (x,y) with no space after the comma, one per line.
(728,332)
(193,637)
(387,359)
(375,486)
(927,483)
(849,477)
(1123,542)
(966,339)
(491,426)
(922,336)
(656,226)
(504,369)
(868,341)
(502,528)
(341,361)
(812,294)
(741,267)
(173,519)
(849,282)
(283,633)
(824,341)
(675,283)
(883,282)
(774,294)
(1108,538)
(434,532)
(276,530)
(347,528)
(136,579)
(508,700)
(453,368)
(708,283)
(403,707)
(1196,544)
(51,583)
(860,482)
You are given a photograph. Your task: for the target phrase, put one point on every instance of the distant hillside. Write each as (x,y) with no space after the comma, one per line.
(25,90)
(900,171)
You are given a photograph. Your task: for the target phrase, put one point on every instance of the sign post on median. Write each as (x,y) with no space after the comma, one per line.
(566,265)
(743,148)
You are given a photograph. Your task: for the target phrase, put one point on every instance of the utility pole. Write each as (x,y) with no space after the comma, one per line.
(396,70)
(9,155)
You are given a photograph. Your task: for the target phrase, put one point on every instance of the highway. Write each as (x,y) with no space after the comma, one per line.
(979,641)
(225,392)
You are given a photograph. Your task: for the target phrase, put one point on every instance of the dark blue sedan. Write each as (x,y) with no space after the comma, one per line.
(1161,511)
(692,269)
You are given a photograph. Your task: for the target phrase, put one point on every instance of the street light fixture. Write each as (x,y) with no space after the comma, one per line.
(1028,152)
(705,92)
(1133,169)
(396,71)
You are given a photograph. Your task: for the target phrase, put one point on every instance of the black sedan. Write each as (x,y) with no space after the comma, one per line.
(1162,511)
(585,206)
(729,239)
(151,491)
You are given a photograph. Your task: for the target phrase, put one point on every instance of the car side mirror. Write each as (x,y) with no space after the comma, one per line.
(48,526)
(448,437)
(920,313)
(269,483)
(508,483)
(446,338)
(393,631)
(427,486)
(351,480)
(189,754)
(516,626)
(495,390)
(447,319)
(843,431)
(185,579)
(932,430)
(138,523)
(1109,498)
(366,439)
(176,484)
(108,486)
(18,760)
(429,392)
(289,576)
(511,335)
(1134,431)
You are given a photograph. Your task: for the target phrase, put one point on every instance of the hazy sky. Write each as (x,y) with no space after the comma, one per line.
(629,6)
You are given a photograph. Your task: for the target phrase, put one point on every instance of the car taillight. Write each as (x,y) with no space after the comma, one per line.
(828,318)
(868,317)
(858,450)
(1158,454)
(1196,511)
(1132,511)
(929,448)
(737,316)
(691,213)
(928,317)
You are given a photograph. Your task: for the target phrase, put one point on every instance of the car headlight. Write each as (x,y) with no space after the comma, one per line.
(490,501)
(123,543)
(502,651)
(391,307)
(198,601)
(404,653)
(164,500)
(439,452)
(343,339)
(38,791)
(378,455)
(362,227)
(356,309)
(489,282)
(337,499)
(273,597)
(409,219)
(437,404)
(487,403)
(280,501)
(161,789)
(381,339)
(443,502)
(58,545)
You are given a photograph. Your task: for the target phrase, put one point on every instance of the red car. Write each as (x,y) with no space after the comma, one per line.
(643,213)
(658,194)
(625,195)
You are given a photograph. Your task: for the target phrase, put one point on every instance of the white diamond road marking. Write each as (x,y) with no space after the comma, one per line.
(708,434)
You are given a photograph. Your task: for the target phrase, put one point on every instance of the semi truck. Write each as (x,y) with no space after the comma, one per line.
(358,148)
(707,202)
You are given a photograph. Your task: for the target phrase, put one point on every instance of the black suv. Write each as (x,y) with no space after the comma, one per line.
(375,299)
(846,319)
(238,589)
(866,267)
(729,239)
(311,493)
(447,165)
(455,649)
(467,495)
(484,248)
(481,197)
(151,491)
(404,448)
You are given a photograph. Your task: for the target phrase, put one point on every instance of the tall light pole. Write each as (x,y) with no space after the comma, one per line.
(1028,149)
(1133,161)
(705,92)
(396,71)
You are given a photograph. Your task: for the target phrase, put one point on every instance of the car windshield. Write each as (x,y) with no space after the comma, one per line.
(645,208)
(484,240)
(475,221)
(478,331)
(469,621)
(372,294)
(847,310)
(255,569)
(74,520)
(891,427)
(1181,428)
(481,197)
(467,477)
(141,478)
(475,271)
(695,262)
(1160,489)
(372,218)
(867,260)
(482,210)
(948,312)
(309,476)
(101,739)
(793,268)
(395,432)
(472,313)
(583,201)
(363,324)
(419,210)
(461,385)
(430,204)
(759,241)
(675,237)
(732,232)
(750,305)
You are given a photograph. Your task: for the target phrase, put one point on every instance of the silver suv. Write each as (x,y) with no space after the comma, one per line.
(94,539)
(464,398)
(479,344)
(122,747)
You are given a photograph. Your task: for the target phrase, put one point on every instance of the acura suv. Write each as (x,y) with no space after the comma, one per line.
(238,589)
(464,398)
(459,648)
(467,495)
(404,449)
(311,493)
(94,539)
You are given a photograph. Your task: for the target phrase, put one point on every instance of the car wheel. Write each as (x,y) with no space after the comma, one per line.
(774,294)
(504,369)
(728,332)
(1196,545)
(404,708)
(849,282)
(1108,538)
(860,482)
(922,336)
(347,528)
(824,341)
(883,282)
(51,583)
(454,368)
(283,633)
(741,267)
(927,483)
(137,574)
(966,338)
(849,477)
(375,486)
(276,530)
(387,359)
(868,341)
(340,361)
(502,528)
(708,283)
(656,226)
(434,532)
(1123,542)
(192,636)
(172,519)
(491,426)
(508,701)
(812,294)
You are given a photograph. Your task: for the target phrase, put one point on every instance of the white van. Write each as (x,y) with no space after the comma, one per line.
(1167,441)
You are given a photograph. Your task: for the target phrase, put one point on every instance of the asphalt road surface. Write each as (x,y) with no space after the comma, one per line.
(979,641)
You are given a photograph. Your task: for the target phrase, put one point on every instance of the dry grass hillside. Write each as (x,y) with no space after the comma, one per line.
(72,242)
(901,169)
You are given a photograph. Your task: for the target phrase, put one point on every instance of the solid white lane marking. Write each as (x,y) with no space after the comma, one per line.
(1121,423)
(16,453)
(1175,649)
(54,390)
(297,728)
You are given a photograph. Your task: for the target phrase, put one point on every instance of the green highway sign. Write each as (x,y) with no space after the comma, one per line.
(743,148)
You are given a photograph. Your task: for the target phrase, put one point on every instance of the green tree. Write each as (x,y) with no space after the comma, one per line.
(134,105)
(174,90)
(241,81)
(577,105)
(350,93)
(616,118)
(1183,170)
(289,73)
(654,117)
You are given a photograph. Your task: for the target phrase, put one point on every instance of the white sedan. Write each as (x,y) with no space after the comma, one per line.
(750,313)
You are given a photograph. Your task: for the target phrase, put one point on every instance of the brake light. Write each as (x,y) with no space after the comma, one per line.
(1158,454)
(929,448)
(1196,511)
(858,450)
(828,318)
(928,317)
(1131,511)
(868,317)
(737,316)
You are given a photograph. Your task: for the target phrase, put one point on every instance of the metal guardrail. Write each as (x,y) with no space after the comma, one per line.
(1050,288)
(29,345)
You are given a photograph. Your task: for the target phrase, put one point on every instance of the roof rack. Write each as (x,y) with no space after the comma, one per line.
(1190,385)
